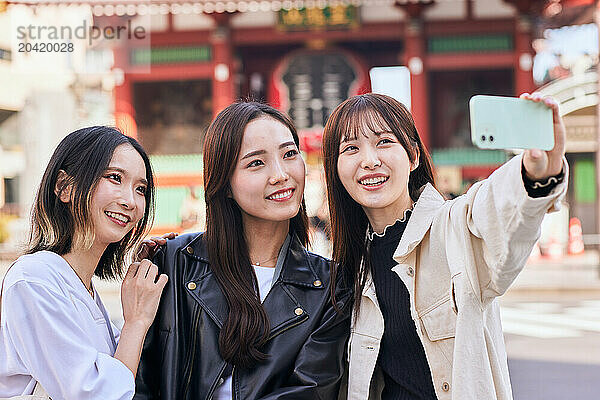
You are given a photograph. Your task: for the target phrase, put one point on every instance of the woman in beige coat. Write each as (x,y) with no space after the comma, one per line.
(426,322)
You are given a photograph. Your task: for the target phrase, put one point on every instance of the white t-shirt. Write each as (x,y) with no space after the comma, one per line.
(264,275)
(54,332)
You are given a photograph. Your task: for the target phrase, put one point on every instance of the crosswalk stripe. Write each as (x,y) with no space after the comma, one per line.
(539,331)
(552,319)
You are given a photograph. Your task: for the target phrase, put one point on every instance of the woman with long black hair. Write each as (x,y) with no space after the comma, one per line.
(247,312)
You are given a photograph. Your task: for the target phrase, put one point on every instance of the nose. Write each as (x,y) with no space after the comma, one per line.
(279,174)
(127,200)
(370,159)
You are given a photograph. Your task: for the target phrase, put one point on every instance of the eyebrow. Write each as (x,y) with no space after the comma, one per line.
(121,170)
(259,152)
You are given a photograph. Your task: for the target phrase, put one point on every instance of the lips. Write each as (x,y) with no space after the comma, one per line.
(281,195)
(118,218)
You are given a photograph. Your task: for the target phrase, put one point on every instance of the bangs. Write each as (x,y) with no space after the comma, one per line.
(364,121)
(362,117)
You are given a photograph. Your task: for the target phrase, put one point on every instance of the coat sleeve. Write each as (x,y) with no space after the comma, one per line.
(320,363)
(503,224)
(42,325)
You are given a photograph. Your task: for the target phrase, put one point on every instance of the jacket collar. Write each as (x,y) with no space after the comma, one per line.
(420,221)
(301,273)
(296,270)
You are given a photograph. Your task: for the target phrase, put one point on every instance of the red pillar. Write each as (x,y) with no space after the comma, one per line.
(124,112)
(223,64)
(523,56)
(414,58)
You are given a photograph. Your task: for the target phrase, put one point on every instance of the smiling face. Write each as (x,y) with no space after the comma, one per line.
(268,180)
(374,168)
(119,201)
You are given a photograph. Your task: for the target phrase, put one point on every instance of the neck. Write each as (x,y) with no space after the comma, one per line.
(379,218)
(264,239)
(84,262)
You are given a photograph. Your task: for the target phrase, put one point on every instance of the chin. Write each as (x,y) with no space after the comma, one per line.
(282,215)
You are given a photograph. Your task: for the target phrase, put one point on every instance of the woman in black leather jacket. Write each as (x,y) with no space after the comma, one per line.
(246,313)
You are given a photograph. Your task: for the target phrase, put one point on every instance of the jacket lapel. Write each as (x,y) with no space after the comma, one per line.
(283,308)
(210,297)
(425,209)
(201,283)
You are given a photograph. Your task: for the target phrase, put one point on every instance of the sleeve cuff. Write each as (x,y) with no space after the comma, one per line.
(542,187)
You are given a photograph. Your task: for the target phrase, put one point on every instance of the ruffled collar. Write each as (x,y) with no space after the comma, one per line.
(371,234)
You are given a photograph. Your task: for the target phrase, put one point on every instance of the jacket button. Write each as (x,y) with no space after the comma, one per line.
(298,311)
(191,285)
(445,386)
(317,283)
(190,250)
(410,271)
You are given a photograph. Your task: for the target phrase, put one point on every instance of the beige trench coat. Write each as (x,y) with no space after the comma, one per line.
(456,257)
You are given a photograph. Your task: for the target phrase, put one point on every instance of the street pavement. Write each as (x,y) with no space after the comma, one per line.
(551,321)
(553,344)
(545,380)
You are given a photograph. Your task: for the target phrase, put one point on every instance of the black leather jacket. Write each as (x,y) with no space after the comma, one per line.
(181,359)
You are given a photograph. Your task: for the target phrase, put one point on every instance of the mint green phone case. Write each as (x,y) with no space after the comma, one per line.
(510,123)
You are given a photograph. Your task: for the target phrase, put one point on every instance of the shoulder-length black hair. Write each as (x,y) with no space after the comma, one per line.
(247,325)
(84,155)
(349,222)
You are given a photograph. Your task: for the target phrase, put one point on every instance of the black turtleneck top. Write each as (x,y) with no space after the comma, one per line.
(401,355)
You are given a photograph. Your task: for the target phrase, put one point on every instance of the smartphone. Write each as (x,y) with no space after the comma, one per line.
(510,123)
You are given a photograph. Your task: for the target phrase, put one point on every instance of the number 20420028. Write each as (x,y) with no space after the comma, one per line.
(45,47)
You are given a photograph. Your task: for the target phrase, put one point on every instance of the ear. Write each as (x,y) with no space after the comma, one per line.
(414,165)
(63,188)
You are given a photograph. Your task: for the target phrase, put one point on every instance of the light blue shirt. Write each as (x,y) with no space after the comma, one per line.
(53,332)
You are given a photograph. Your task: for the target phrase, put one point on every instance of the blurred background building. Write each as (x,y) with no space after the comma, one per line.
(304,57)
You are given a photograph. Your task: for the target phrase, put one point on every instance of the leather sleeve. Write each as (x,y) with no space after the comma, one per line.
(320,363)
(147,381)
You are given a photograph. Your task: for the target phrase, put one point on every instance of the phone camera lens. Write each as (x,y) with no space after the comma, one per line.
(483,138)
(491,138)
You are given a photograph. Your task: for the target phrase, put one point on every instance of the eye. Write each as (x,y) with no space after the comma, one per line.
(385,141)
(114,176)
(255,163)
(290,153)
(349,148)
(142,190)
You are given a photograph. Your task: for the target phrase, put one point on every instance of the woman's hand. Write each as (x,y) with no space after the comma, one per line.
(148,247)
(140,293)
(541,164)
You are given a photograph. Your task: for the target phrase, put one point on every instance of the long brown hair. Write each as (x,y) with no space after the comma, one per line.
(247,326)
(349,222)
